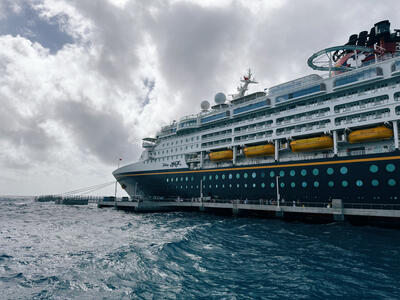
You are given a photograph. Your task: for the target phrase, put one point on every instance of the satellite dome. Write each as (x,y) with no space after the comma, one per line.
(220,98)
(205,105)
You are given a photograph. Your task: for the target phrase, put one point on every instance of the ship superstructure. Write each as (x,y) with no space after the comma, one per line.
(314,138)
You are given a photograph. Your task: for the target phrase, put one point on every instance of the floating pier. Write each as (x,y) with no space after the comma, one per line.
(318,212)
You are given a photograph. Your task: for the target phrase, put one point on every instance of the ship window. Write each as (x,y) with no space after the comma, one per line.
(390,167)
(331,184)
(262,174)
(181,178)
(391,182)
(292,173)
(245,185)
(293,184)
(167,179)
(230,185)
(216,176)
(343,170)
(216,185)
(329,171)
(209,186)
(187,178)
(272,185)
(316,184)
(192,178)
(315,172)
(237,175)
(223,186)
(223,176)
(345,183)
(359,183)
(303,173)
(375,182)
(254,175)
(230,176)
(210,177)
(373,168)
(272,174)
(238,185)
(176,179)
(282,173)
(282,184)
(245,175)
(254,185)
(263,185)
(204,186)
(204,177)
(304,184)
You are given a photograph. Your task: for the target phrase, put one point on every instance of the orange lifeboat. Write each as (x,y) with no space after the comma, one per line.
(310,144)
(221,155)
(261,150)
(371,134)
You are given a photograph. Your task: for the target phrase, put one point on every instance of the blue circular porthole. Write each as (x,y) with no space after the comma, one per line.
(292,172)
(329,171)
(331,184)
(373,168)
(315,172)
(304,184)
(316,184)
(282,184)
(282,173)
(230,176)
(272,174)
(375,182)
(391,182)
(253,175)
(245,175)
(390,168)
(237,175)
(293,184)
(263,185)
(303,172)
(345,183)
(272,185)
(359,183)
(343,170)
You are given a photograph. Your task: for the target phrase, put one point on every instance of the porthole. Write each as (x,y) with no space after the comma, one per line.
(343,170)
(223,176)
(391,182)
(359,183)
(254,185)
(192,178)
(245,175)
(176,179)
(293,184)
(331,184)
(245,185)
(167,179)
(345,183)
(209,186)
(223,186)
(282,184)
(216,176)
(329,171)
(316,184)
(237,175)
(304,184)
(253,175)
(263,185)
(187,178)
(375,182)
(282,173)
(303,172)
(390,168)
(272,185)
(373,168)
(230,176)
(238,185)
(204,178)
(210,177)
(262,174)
(272,174)
(181,178)
(315,172)
(216,185)
(292,172)
(230,185)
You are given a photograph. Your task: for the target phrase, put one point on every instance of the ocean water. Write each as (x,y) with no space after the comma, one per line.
(50,251)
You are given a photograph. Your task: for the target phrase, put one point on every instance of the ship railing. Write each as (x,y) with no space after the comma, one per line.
(372,206)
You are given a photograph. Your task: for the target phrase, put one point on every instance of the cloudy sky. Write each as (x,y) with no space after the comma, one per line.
(82,81)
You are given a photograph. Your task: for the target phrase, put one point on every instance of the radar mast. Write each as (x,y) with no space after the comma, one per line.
(247,79)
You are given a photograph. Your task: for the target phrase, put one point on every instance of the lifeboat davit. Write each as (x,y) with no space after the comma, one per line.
(310,144)
(371,134)
(260,150)
(221,155)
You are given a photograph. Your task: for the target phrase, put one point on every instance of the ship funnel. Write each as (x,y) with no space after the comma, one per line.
(362,38)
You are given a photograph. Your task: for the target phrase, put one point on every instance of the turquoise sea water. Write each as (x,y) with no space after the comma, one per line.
(50,251)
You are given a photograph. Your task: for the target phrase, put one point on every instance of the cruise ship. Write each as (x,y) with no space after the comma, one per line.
(312,139)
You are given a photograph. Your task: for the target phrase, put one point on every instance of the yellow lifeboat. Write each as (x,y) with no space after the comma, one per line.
(221,155)
(260,150)
(371,134)
(310,144)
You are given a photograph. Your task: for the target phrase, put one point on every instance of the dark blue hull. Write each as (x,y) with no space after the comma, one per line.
(354,179)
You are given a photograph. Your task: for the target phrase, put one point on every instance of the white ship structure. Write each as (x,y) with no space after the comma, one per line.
(313,139)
